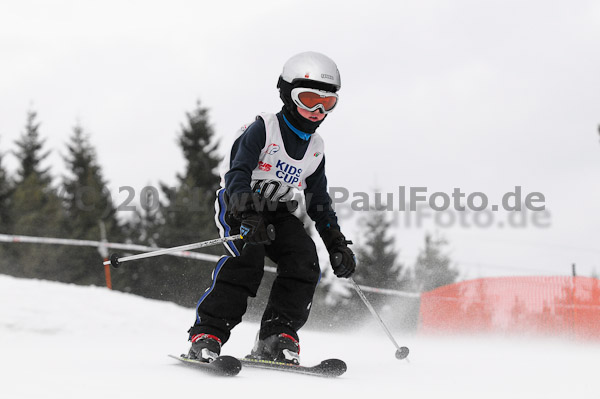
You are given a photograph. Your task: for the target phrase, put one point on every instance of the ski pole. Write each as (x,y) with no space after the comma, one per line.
(401,352)
(115,261)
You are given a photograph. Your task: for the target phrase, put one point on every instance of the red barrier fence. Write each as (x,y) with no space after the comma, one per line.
(547,305)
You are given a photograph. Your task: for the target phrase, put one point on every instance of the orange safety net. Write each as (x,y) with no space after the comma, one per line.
(548,305)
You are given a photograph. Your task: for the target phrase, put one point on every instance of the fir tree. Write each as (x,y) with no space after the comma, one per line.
(88,203)
(36,208)
(187,217)
(433,267)
(30,154)
(6,188)
(190,211)
(199,148)
(6,191)
(378,259)
(190,214)
(87,199)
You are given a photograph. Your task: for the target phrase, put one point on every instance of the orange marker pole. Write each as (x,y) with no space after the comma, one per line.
(107,275)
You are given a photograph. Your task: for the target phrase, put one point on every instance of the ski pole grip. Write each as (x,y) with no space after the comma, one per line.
(337,259)
(271,232)
(114,261)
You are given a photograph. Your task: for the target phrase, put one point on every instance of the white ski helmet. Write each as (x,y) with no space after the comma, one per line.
(312,66)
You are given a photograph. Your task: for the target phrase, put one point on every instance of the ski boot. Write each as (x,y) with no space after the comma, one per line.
(278,348)
(205,347)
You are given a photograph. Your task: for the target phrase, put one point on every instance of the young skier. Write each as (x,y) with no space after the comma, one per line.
(269,161)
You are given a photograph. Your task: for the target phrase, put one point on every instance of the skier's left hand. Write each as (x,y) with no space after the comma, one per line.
(343,260)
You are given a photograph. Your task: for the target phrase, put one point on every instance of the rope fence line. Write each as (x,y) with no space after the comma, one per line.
(101,244)
(540,304)
(103,247)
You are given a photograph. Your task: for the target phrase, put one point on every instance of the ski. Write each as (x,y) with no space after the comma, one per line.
(327,368)
(227,366)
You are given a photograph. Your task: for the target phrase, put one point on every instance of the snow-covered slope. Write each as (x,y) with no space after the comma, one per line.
(65,341)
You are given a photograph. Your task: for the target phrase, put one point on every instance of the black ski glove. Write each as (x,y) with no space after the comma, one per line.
(254,229)
(341,257)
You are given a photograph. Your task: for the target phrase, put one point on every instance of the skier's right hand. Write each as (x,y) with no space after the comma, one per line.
(254,228)
(247,207)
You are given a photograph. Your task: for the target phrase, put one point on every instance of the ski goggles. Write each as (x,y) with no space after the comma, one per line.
(313,99)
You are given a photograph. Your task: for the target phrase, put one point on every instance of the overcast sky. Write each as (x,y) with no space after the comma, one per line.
(477,95)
